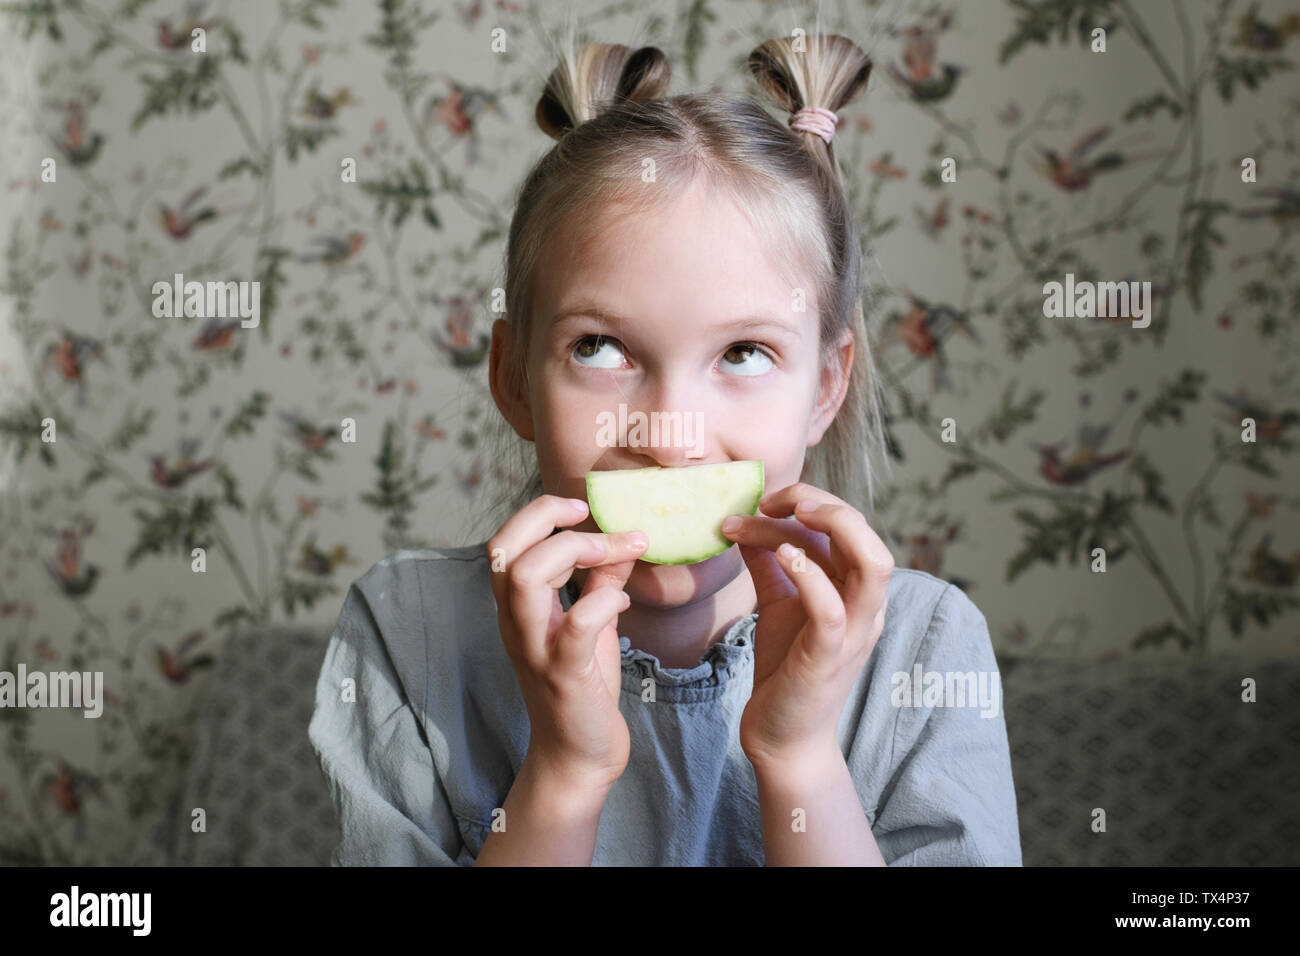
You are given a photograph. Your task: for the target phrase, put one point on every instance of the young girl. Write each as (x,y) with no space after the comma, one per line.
(546,698)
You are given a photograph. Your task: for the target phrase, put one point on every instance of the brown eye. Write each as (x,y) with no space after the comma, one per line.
(747,350)
(598,342)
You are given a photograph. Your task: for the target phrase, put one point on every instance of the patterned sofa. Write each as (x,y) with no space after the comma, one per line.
(1187,773)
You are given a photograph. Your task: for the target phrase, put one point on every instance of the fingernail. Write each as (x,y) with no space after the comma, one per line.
(637,541)
(806,506)
(730,524)
(579,505)
(786,550)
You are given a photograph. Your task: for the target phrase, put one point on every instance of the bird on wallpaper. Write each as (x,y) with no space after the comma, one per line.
(1083,462)
(319,106)
(1271,569)
(470,13)
(334,250)
(1260,506)
(68,788)
(469,480)
(428,428)
(933,223)
(924,329)
(69,356)
(73,577)
(457,344)
(174,473)
(216,334)
(1261,35)
(884,168)
(918,75)
(926,550)
(180,222)
(508,478)
(82,263)
(73,143)
(308,435)
(179,664)
(322,563)
(1269,422)
(458,112)
(1017,633)
(1075,170)
(1284,207)
(175,37)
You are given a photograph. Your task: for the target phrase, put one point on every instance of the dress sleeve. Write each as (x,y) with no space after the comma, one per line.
(389,804)
(951,800)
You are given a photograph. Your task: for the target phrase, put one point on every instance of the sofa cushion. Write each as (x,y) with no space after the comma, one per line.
(251,767)
(1187,773)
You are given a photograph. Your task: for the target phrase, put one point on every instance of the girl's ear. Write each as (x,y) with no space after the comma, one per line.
(833,388)
(507,390)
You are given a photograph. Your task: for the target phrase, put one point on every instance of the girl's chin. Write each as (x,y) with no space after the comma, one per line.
(665,584)
(654,582)
(694,568)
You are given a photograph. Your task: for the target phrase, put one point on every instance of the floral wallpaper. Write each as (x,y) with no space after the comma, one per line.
(1101,484)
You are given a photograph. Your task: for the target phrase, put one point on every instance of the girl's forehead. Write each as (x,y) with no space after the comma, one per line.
(701,234)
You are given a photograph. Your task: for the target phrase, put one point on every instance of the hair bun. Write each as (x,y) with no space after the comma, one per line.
(830,73)
(596,77)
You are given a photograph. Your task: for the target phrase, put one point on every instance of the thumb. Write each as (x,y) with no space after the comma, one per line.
(607,575)
(770,580)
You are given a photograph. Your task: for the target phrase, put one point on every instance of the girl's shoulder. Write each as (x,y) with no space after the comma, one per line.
(425,604)
(918,594)
(403,577)
(927,616)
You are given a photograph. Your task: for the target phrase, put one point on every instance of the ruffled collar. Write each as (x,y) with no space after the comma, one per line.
(718,664)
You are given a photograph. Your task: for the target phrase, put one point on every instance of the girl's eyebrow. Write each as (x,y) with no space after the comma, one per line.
(746,323)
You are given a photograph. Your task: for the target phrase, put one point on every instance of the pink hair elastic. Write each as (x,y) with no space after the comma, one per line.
(814,119)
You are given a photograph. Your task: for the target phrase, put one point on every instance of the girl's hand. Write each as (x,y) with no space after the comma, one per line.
(820,614)
(568,665)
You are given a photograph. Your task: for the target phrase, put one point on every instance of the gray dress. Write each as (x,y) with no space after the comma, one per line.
(428,737)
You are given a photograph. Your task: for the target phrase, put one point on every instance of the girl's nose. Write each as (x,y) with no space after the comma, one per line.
(669,439)
(672,423)
(672,457)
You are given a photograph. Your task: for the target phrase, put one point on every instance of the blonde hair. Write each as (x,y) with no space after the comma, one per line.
(606,107)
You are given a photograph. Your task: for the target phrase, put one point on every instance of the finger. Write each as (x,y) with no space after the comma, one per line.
(770,581)
(619,547)
(780,503)
(533,522)
(824,640)
(548,565)
(574,646)
(760,531)
(774,588)
(860,559)
(614,572)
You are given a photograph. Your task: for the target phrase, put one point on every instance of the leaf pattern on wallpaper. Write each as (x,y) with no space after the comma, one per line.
(177,433)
